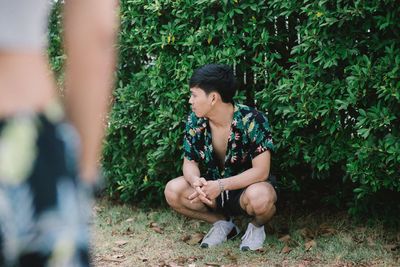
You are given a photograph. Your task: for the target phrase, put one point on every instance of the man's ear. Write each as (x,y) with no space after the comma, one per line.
(214,97)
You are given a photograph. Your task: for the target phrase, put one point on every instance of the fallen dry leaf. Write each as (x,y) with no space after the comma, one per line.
(116,249)
(195,225)
(157,230)
(153,224)
(173,264)
(118,256)
(108,258)
(97,208)
(391,247)
(193,259)
(261,250)
(310,244)
(285,238)
(142,258)
(120,243)
(357,239)
(129,220)
(326,230)
(307,233)
(231,256)
(185,238)
(181,260)
(286,249)
(194,239)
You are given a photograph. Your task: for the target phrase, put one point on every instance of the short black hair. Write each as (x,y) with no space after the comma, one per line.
(215,78)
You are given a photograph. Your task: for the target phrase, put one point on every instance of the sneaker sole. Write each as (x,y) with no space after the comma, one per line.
(204,245)
(247,248)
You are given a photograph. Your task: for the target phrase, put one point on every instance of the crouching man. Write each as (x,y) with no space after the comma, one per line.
(232,143)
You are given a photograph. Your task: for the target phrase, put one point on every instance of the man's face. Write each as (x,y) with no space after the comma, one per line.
(200,101)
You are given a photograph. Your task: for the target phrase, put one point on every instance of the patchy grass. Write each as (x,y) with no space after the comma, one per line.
(127,236)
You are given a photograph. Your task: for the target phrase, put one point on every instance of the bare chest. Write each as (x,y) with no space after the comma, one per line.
(220,137)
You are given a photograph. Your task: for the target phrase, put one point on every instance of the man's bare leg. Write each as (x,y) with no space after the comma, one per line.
(258,200)
(177,192)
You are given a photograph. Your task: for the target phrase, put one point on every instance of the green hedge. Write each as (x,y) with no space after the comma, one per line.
(326,72)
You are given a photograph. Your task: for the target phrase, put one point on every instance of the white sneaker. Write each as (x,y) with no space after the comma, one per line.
(218,233)
(253,239)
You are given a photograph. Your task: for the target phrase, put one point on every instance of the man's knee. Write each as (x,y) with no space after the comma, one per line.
(259,199)
(174,189)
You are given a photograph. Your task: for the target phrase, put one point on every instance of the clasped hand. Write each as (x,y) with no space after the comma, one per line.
(205,191)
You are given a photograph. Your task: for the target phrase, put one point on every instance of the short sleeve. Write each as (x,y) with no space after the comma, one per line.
(260,136)
(189,139)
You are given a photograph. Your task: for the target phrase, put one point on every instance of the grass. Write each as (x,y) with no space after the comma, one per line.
(127,236)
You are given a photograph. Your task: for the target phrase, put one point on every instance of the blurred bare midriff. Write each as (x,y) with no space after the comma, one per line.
(26,83)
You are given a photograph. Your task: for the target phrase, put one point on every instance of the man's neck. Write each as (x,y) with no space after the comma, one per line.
(221,115)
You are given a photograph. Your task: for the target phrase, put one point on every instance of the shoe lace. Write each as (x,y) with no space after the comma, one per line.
(214,229)
(249,233)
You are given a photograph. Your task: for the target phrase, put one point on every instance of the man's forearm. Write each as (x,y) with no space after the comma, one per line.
(191,173)
(258,173)
(244,179)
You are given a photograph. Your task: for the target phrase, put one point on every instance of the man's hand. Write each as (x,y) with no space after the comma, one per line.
(212,189)
(199,194)
(198,184)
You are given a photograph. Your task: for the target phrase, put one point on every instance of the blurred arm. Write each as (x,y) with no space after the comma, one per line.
(90,33)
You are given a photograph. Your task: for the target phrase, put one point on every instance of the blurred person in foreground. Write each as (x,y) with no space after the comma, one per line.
(231,143)
(48,160)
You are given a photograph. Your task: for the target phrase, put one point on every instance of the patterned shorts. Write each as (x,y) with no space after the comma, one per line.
(44,207)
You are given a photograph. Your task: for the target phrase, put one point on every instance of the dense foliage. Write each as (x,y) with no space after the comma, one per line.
(327,73)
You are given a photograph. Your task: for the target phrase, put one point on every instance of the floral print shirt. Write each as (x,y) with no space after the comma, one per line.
(250,135)
(44,206)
